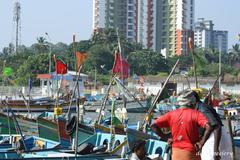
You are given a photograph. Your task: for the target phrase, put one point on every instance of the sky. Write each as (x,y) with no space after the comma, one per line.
(63,18)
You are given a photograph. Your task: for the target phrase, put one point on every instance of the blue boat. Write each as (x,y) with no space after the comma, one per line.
(31,143)
(154,146)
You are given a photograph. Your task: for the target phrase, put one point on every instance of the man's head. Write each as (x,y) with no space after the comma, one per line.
(138,147)
(198,93)
(186,98)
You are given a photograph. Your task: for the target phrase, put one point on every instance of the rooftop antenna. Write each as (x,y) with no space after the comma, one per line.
(17,24)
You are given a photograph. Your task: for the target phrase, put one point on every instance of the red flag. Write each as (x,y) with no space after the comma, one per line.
(61,68)
(120,66)
(117,63)
(125,68)
(80,58)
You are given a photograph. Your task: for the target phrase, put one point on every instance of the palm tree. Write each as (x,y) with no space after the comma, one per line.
(211,55)
(234,54)
(41,45)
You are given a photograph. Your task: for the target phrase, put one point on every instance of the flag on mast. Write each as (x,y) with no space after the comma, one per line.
(120,66)
(80,58)
(61,67)
(7,71)
(190,44)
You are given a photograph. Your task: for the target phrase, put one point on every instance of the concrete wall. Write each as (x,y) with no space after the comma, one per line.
(154,88)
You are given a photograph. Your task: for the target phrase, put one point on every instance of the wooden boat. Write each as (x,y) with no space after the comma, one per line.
(53,128)
(92,148)
(31,142)
(55,155)
(46,126)
(37,105)
(154,147)
(27,125)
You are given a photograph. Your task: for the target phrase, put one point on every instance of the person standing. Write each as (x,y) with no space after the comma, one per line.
(211,149)
(173,100)
(184,124)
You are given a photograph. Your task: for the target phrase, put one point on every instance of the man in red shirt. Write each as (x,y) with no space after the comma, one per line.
(184,124)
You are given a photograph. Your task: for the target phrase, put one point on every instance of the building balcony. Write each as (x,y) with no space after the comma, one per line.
(97,2)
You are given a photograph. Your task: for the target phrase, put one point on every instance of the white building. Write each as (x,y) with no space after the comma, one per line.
(206,37)
(64,82)
(99,14)
(184,25)
(203,35)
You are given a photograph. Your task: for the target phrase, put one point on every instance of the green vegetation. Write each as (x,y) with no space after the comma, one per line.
(34,60)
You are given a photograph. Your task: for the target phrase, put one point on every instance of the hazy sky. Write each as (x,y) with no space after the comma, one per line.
(61,18)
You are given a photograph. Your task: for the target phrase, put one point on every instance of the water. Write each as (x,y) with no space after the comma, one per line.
(133,117)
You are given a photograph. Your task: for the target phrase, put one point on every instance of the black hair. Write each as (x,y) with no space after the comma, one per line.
(137,144)
(195,94)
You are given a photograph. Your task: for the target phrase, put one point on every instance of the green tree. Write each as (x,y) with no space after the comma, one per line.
(34,65)
(147,62)
(98,55)
(41,46)
(234,54)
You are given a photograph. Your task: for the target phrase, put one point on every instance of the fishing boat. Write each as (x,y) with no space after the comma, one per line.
(52,127)
(94,147)
(46,125)
(29,142)
(8,125)
(56,155)
(154,147)
(35,106)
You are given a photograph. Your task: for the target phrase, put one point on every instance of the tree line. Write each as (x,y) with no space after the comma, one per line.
(33,60)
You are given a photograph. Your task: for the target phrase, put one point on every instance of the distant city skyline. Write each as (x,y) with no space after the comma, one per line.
(61,19)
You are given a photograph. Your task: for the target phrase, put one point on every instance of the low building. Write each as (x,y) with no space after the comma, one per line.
(51,83)
(152,84)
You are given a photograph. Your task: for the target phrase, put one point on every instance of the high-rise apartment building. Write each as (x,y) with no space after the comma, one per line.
(146,23)
(203,35)
(99,14)
(206,37)
(156,24)
(220,40)
(177,25)
(134,18)
(116,14)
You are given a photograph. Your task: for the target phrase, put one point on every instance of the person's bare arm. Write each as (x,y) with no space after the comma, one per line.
(208,131)
(217,138)
(159,132)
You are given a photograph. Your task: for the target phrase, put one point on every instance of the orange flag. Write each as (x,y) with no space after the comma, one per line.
(190,44)
(80,58)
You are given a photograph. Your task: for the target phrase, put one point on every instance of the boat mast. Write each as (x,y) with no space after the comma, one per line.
(18,128)
(191,47)
(95,79)
(50,64)
(78,94)
(220,59)
(160,91)
(121,58)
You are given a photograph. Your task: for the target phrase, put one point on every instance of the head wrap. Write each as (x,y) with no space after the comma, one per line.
(199,92)
(186,98)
